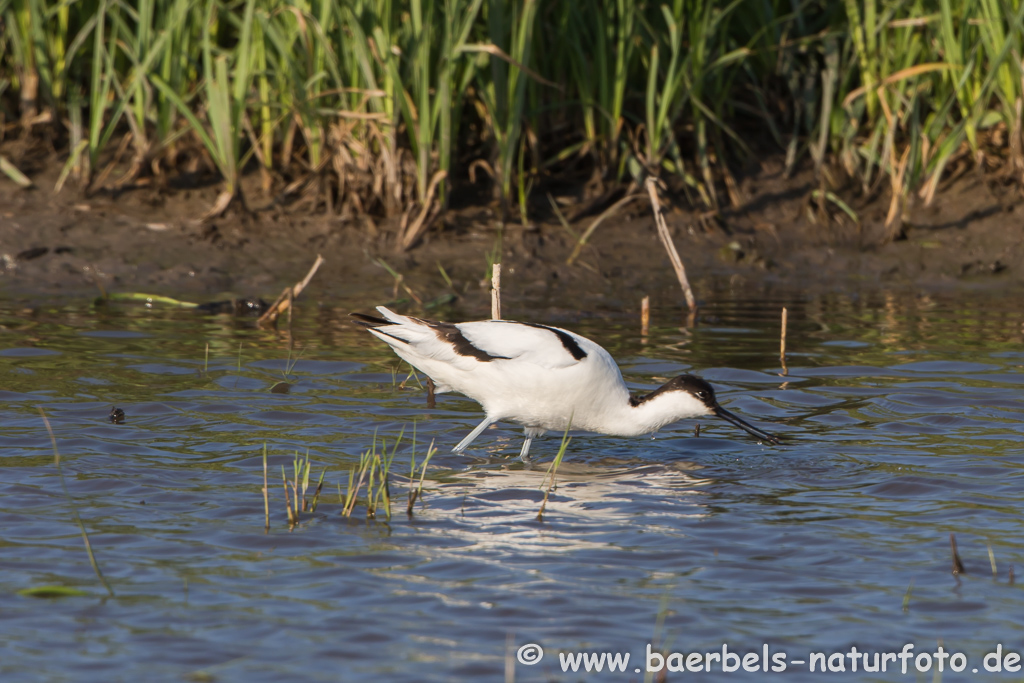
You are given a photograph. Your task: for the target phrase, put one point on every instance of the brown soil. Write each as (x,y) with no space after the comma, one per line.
(149,240)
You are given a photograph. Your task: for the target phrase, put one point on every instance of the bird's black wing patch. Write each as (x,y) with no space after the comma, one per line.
(449,333)
(568,342)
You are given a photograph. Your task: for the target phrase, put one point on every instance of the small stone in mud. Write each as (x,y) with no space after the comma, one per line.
(116,415)
(33,253)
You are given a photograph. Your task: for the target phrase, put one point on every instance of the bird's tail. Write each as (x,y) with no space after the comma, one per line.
(394,327)
(390,318)
(370,321)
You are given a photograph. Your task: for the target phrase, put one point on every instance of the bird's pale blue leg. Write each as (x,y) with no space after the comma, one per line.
(531,434)
(524,454)
(473,434)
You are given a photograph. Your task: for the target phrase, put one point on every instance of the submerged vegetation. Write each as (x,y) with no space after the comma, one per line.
(390,106)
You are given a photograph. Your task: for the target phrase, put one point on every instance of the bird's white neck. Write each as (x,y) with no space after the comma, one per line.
(648,415)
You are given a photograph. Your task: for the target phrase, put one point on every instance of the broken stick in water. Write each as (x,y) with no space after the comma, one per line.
(666,239)
(284,302)
(645,316)
(496,292)
(782,344)
(958,566)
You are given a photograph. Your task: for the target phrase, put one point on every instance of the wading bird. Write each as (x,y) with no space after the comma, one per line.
(543,378)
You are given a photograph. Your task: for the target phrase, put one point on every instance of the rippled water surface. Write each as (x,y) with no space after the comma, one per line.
(903,419)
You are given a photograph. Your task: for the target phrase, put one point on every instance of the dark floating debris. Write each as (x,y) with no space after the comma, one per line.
(116,415)
(234,307)
(958,566)
(281,388)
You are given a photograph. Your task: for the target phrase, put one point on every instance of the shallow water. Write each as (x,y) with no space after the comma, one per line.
(903,419)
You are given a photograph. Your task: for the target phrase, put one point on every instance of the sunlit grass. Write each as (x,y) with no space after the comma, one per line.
(374,105)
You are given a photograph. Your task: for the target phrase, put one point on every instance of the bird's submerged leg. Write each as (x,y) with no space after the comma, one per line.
(431,400)
(531,434)
(524,454)
(473,434)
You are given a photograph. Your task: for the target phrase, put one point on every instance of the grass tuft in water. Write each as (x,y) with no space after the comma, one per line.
(549,477)
(266,491)
(373,475)
(374,468)
(906,596)
(301,467)
(417,493)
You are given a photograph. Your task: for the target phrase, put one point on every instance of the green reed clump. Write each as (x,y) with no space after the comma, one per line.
(416,488)
(374,469)
(385,106)
(296,501)
(373,475)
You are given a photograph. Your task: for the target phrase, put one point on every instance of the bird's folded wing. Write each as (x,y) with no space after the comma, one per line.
(549,348)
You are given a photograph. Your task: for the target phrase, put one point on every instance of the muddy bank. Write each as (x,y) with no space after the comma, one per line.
(149,240)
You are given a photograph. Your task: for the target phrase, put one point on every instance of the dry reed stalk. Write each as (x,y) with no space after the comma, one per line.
(284,301)
(428,212)
(645,316)
(12,172)
(666,239)
(266,492)
(287,499)
(782,343)
(894,218)
(607,213)
(347,510)
(496,292)
(958,566)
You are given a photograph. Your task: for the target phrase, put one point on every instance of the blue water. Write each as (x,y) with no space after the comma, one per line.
(903,420)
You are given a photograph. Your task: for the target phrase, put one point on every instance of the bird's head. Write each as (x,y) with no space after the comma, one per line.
(692,397)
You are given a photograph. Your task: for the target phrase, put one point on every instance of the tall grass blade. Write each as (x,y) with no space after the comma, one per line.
(71,504)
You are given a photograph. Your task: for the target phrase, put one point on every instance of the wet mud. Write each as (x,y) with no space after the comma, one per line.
(151,240)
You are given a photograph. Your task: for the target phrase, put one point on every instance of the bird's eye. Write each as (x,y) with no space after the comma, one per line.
(702,394)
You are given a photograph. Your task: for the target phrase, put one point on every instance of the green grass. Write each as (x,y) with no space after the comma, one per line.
(549,476)
(53,591)
(383,105)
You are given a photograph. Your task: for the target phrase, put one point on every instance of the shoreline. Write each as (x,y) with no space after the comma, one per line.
(149,240)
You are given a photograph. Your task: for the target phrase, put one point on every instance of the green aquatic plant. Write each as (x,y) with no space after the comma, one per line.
(417,492)
(296,500)
(373,473)
(549,476)
(374,468)
(71,504)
